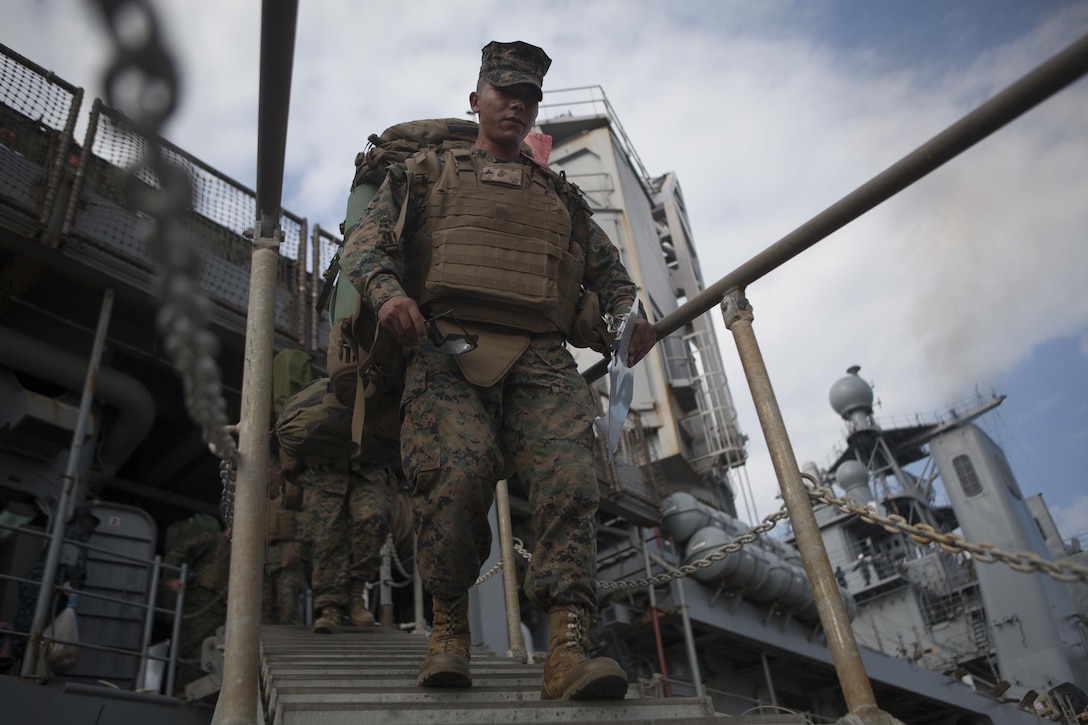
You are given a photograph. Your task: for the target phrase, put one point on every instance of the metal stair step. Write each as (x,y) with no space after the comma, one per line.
(387,681)
(294,711)
(369,674)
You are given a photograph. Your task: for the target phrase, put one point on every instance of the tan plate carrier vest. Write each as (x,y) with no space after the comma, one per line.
(494,246)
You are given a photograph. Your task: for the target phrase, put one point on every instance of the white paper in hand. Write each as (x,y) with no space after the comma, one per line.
(621,387)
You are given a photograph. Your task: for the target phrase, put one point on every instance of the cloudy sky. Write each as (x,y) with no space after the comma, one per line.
(973,280)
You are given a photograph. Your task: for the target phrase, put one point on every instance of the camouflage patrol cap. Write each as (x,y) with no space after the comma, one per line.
(507,64)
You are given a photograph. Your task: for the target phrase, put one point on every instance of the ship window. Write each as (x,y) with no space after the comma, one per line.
(968,477)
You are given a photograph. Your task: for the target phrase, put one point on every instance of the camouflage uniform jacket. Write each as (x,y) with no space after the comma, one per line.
(208,557)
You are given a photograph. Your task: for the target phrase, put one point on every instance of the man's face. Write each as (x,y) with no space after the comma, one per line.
(507,114)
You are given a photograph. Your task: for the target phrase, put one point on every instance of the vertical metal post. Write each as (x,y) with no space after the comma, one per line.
(149,620)
(315,290)
(417,588)
(685,617)
(689,639)
(32,661)
(302,302)
(175,631)
(856,687)
(667,687)
(386,613)
(767,676)
(509,574)
(239,700)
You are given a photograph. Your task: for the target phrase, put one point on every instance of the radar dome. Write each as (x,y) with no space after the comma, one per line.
(851,394)
(853,478)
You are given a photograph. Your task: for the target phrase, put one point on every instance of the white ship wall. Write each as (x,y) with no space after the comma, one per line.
(1031,615)
(623,211)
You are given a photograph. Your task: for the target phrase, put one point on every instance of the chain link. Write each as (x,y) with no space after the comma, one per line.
(714,557)
(710,559)
(396,559)
(982,552)
(226,501)
(142,84)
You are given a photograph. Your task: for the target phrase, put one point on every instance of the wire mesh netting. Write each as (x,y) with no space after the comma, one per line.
(35,110)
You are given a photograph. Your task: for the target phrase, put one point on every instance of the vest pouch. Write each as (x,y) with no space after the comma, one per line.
(589,328)
(381,381)
(500,268)
(366,369)
(341,360)
(281,523)
(572,269)
(495,353)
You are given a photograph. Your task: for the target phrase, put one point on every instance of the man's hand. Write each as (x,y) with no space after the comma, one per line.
(401,316)
(175,585)
(643,338)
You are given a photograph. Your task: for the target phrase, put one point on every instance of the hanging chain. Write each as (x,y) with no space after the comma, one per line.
(142,84)
(226,501)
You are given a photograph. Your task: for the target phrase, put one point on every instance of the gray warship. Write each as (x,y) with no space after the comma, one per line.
(966,603)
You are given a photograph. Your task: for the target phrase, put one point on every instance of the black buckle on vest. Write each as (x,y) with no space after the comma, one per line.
(454,343)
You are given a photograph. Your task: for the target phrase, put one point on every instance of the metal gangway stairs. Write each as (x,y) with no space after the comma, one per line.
(368,675)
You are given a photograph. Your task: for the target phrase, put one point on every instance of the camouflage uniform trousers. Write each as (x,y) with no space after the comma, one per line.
(205,611)
(459,439)
(347,518)
(283,586)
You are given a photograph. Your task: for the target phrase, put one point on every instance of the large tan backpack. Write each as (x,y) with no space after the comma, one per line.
(365,364)
(314,426)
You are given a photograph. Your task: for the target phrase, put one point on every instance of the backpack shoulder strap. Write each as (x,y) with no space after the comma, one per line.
(421,168)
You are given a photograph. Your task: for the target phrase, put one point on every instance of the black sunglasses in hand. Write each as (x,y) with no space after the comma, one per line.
(454,343)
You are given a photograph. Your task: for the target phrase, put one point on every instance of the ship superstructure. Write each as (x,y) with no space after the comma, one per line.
(1006,628)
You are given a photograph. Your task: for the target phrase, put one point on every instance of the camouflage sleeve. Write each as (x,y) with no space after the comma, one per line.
(373,259)
(605,273)
(187,551)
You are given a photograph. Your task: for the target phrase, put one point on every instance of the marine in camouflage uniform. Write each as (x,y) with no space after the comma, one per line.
(207,556)
(348,510)
(284,567)
(536,419)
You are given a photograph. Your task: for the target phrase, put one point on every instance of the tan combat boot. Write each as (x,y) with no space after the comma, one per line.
(446,664)
(328,622)
(361,616)
(568,673)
